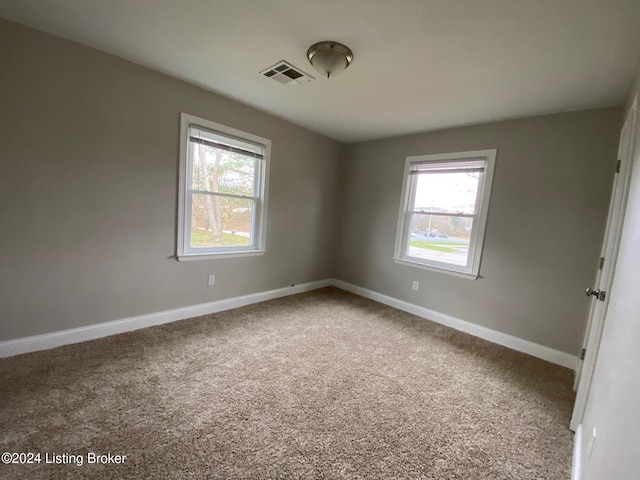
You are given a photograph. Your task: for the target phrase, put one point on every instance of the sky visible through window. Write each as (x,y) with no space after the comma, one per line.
(447,192)
(443,238)
(219,220)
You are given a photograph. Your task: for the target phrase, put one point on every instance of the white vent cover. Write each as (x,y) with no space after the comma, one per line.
(286,74)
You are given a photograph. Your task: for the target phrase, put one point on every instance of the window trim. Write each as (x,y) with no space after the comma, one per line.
(259,219)
(472,269)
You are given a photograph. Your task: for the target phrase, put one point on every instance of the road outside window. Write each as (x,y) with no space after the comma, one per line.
(443,212)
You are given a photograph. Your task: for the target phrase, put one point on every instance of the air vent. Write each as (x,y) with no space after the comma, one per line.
(287,74)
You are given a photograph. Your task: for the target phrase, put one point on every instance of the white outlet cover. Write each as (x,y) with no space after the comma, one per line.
(416,285)
(211,281)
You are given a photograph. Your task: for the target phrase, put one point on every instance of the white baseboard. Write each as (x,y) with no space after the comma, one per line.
(515,343)
(576,467)
(65,337)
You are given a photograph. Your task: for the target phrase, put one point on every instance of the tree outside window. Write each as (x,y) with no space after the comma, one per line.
(224,190)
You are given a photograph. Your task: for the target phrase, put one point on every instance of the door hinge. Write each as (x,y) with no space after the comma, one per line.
(583,352)
(618,165)
(601,263)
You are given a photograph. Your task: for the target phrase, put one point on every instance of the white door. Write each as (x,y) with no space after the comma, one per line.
(598,292)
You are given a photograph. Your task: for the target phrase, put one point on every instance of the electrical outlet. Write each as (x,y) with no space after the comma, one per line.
(416,285)
(211,281)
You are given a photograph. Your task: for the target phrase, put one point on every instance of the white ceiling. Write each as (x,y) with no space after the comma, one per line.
(418,64)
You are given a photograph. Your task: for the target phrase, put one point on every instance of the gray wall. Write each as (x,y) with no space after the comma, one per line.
(546,219)
(88,179)
(614,397)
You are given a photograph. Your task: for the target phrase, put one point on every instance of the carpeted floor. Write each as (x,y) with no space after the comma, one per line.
(324,384)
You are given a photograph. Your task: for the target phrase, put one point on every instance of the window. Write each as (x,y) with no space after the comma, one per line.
(443,212)
(222,191)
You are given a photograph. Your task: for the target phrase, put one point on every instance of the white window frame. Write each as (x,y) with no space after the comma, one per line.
(261,181)
(403,234)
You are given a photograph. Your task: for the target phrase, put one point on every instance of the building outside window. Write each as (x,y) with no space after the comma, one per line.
(443,212)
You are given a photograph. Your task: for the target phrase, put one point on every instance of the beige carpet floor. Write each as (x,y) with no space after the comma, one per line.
(324,384)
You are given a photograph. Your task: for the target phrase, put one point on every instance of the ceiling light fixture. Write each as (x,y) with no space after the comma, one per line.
(329,58)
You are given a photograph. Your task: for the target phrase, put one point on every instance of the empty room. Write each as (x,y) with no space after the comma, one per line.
(346,239)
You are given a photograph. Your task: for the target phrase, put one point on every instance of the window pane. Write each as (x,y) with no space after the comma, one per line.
(447,192)
(440,238)
(220,221)
(217,170)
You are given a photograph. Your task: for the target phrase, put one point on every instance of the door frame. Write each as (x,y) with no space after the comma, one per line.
(606,268)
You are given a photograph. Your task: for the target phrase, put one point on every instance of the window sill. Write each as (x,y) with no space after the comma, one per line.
(213,256)
(433,268)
